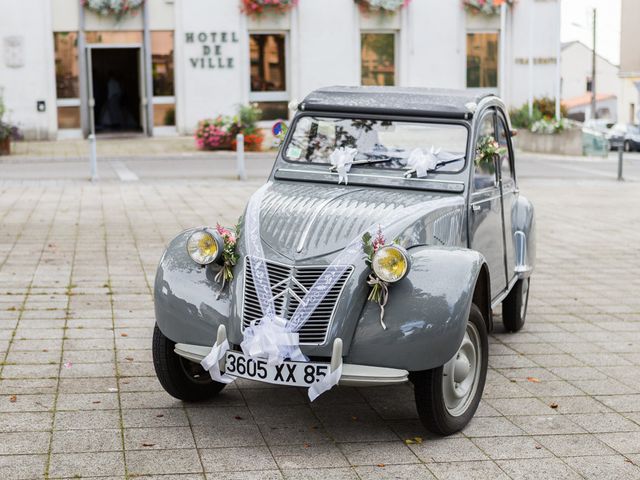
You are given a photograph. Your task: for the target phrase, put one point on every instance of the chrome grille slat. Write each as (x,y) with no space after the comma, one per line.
(314,331)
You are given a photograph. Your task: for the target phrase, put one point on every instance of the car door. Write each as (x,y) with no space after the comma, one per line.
(486,233)
(508,185)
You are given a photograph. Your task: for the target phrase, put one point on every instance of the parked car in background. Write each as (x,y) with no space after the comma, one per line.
(602,125)
(625,135)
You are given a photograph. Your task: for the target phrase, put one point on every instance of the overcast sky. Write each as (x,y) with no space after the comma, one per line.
(608,25)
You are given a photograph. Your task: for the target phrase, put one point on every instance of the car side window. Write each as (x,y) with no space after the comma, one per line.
(505,158)
(484,175)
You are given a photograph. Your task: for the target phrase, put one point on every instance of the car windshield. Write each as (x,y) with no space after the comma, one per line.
(381,144)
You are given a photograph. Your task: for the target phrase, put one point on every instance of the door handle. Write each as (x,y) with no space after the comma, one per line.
(475,208)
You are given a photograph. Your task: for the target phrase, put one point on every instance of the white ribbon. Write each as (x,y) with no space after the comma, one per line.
(211,363)
(327,383)
(271,338)
(421,163)
(342,159)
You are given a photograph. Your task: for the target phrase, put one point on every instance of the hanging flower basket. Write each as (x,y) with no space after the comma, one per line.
(381,6)
(258,7)
(485,7)
(116,8)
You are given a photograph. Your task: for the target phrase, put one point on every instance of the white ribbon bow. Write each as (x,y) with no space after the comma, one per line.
(342,159)
(211,363)
(270,338)
(421,163)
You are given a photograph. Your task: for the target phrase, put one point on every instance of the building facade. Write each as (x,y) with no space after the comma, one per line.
(175,62)
(629,99)
(576,70)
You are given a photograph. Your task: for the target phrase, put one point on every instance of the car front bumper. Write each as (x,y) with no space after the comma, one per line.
(352,375)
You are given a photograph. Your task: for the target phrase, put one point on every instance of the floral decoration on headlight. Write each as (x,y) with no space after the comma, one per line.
(230,257)
(388,264)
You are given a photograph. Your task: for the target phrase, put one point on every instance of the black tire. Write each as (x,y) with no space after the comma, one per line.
(181,378)
(514,306)
(430,389)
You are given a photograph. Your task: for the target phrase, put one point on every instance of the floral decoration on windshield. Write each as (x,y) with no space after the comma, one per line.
(486,151)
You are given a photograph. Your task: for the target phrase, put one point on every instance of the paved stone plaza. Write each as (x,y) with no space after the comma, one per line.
(79,398)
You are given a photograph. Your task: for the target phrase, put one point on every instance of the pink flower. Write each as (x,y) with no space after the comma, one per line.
(378,240)
(226,234)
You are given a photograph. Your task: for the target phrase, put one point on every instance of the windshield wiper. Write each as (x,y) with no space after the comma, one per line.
(438,166)
(374,158)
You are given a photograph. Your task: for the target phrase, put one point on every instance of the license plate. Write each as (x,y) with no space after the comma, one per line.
(298,374)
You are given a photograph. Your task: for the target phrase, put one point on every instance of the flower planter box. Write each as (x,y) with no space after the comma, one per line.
(567,142)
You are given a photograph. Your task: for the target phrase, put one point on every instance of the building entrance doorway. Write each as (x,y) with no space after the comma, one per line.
(115,89)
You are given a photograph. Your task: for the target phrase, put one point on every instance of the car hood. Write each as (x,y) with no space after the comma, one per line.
(301,221)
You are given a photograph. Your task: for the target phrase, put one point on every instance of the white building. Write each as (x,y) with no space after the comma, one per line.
(576,69)
(629,100)
(177,62)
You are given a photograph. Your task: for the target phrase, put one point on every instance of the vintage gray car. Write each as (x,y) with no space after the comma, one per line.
(390,228)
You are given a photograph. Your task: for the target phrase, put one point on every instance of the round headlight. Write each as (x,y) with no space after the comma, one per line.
(204,247)
(390,263)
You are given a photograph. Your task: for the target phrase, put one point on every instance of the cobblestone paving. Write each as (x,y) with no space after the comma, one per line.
(79,398)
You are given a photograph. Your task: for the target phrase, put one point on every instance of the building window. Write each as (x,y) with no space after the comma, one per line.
(268,69)
(482,60)
(268,57)
(162,63)
(378,59)
(66,53)
(68,117)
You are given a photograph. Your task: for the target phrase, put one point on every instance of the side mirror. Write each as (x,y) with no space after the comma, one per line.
(514,132)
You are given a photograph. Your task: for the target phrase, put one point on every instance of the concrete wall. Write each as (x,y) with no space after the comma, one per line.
(567,142)
(576,68)
(27,67)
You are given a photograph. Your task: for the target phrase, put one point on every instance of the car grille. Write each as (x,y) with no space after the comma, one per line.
(314,331)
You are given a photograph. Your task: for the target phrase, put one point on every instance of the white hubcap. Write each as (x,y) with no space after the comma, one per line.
(462,373)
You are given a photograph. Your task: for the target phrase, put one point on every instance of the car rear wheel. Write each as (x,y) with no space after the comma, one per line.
(514,306)
(181,378)
(447,397)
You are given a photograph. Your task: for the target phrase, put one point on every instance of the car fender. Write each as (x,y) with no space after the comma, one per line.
(523,222)
(189,303)
(426,313)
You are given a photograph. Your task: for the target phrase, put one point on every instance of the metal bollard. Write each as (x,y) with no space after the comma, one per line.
(620,153)
(93,158)
(242,172)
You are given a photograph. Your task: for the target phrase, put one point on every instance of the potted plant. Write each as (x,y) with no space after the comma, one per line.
(117,8)
(8,132)
(246,122)
(220,133)
(258,7)
(381,6)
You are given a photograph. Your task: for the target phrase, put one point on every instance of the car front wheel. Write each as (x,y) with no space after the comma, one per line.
(447,397)
(181,378)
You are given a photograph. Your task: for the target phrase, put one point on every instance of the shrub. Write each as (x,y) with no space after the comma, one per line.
(220,133)
(543,109)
